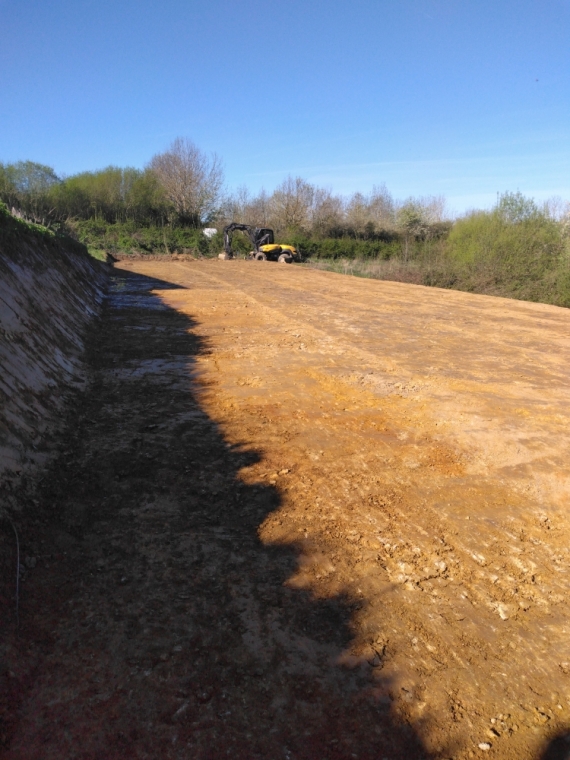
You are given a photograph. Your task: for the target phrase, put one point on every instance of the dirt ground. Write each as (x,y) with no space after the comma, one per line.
(301,516)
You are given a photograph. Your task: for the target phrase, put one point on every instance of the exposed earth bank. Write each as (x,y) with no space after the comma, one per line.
(50,292)
(301,516)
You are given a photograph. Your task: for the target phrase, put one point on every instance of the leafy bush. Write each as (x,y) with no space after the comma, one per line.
(129,237)
(513,250)
(516,250)
(345,247)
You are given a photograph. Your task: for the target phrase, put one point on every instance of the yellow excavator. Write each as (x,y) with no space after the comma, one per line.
(263,242)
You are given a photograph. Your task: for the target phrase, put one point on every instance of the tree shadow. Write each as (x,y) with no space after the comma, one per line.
(154,622)
(558,748)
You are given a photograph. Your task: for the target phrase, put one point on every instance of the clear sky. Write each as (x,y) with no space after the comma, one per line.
(462,98)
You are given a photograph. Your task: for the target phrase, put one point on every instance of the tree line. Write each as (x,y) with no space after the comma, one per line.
(184,187)
(517,248)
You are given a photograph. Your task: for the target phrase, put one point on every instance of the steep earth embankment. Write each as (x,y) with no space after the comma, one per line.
(50,289)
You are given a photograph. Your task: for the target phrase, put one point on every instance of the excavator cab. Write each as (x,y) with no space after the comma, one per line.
(264,236)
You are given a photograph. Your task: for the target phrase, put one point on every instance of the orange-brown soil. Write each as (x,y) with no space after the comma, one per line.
(301,516)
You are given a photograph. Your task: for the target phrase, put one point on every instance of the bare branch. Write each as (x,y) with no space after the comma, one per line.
(191,181)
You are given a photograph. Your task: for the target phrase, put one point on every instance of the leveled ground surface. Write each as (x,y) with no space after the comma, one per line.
(300,516)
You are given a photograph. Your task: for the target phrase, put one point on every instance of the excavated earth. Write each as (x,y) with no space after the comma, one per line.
(301,516)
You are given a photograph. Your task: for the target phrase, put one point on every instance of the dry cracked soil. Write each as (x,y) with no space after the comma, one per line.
(303,516)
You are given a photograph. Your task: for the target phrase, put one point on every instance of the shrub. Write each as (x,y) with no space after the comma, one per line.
(127,236)
(345,247)
(512,250)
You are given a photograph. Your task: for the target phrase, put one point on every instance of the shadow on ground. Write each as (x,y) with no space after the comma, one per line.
(558,748)
(153,621)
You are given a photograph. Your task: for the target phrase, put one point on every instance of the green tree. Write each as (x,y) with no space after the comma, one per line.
(25,187)
(514,207)
(515,249)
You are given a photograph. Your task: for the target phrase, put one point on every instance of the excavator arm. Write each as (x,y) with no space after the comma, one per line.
(228,234)
(258,236)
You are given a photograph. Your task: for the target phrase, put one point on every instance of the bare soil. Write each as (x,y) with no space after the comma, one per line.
(299,516)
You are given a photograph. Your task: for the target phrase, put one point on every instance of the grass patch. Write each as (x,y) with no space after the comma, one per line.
(97,253)
(14,230)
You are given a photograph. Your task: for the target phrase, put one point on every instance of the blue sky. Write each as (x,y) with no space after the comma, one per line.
(432,97)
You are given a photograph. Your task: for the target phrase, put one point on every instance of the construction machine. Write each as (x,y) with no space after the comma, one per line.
(263,242)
